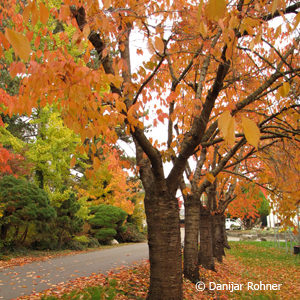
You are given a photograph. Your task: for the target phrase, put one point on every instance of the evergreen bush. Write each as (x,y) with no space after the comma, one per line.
(106,221)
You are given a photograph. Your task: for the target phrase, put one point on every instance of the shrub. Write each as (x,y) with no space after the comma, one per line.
(131,234)
(107,216)
(105,235)
(93,243)
(67,222)
(82,242)
(45,242)
(83,239)
(106,222)
(74,245)
(22,204)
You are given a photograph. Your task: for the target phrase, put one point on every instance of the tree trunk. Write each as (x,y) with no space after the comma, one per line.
(60,239)
(219,242)
(226,245)
(16,232)
(191,238)
(162,214)
(4,230)
(40,178)
(205,257)
(23,238)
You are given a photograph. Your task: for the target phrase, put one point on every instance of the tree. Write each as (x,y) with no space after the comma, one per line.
(281,172)
(106,182)
(52,149)
(7,160)
(264,209)
(12,155)
(207,61)
(67,223)
(22,204)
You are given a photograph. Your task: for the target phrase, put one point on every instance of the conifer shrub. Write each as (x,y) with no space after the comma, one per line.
(106,222)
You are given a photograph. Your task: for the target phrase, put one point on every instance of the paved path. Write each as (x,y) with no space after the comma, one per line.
(39,276)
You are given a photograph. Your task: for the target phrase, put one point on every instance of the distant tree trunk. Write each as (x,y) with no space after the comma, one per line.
(205,257)
(16,232)
(4,230)
(40,178)
(264,221)
(219,242)
(38,172)
(191,238)
(60,239)
(23,238)
(225,239)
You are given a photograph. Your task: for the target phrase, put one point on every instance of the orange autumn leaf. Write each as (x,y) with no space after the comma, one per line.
(44,13)
(216,9)
(251,131)
(19,43)
(226,124)
(284,89)
(159,44)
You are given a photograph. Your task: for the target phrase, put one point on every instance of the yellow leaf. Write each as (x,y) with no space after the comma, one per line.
(274,6)
(284,89)
(297,20)
(202,29)
(19,43)
(44,13)
(106,4)
(210,177)
(159,44)
(226,124)
(251,131)
(216,9)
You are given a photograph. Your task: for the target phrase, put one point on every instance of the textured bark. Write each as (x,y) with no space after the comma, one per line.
(191,238)
(162,213)
(219,242)
(226,245)
(164,245)
(205,257)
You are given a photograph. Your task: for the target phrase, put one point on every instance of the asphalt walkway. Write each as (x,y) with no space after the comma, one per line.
(38,276)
